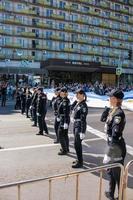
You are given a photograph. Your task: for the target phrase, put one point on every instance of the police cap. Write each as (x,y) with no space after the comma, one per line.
(116,93)
(57,89)
(64,89)
(80,91)
(40,89)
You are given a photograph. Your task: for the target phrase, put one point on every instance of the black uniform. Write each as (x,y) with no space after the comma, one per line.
(23,101)
(34,108)
(64,115)
(114,126)
(28,103)
(18,101)
(3,96)
(55,104)
(80,112)
(41,113)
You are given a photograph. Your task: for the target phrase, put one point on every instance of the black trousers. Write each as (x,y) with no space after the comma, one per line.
(3,100)
(23,106)
(78,145)
(64,139)
(56,127)
(34,116)
(114,173)
(27,110)
(42,124)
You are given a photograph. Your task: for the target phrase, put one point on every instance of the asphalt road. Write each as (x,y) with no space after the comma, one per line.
(28,156)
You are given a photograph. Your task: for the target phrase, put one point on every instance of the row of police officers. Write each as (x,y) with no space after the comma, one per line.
(113,117)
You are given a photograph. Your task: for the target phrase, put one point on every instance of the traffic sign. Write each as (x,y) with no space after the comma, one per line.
(118,71)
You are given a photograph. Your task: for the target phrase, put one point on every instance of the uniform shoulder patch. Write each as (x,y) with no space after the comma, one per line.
(117,119)
(84,109)
(64,103)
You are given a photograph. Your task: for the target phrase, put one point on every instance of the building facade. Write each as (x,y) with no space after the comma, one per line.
(81,39)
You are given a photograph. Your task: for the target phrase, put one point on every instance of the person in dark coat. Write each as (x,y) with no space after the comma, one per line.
(3,95)
(115,120)
(41,112)
(34,106)
(64,119)
(23,101)
(55,105)
(80,111)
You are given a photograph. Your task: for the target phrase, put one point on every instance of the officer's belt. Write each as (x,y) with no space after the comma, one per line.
(77,120)
(117,159)
(110,138)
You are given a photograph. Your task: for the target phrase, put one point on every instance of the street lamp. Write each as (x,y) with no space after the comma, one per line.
(119,71)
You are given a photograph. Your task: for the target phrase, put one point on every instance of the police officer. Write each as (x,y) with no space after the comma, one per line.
(114,119)
(41,111)
(80,112)
(55,105)
(34,106)
(64,118)
(28,101)
(23,101)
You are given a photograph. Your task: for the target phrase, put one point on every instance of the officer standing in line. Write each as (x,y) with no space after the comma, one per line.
(80,112)
(64,116)
(23,101)
(28,101)
(114,119)
(55,105)
(41,111)
(34,106)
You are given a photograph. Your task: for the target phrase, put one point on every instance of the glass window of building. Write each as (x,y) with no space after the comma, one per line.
(126,18)
(49,12)
(62,4)
(117,7)
(85,9)
(75,6)
(61,45)
(61,26)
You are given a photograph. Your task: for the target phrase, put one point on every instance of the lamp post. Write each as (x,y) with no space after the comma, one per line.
(119,71)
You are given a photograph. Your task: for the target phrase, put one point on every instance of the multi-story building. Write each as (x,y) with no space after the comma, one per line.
(74,37)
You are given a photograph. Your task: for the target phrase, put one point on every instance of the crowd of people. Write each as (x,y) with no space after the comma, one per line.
(33,103)
(99,88)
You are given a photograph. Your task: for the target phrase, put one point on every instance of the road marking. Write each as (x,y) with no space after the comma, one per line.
(39,146)
(92,139)
(103,136)
(28,147)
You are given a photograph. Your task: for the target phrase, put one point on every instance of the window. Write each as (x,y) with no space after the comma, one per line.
(61,26)
(61,45)
(62,4)
(49,13)
(126,18)
(117,7)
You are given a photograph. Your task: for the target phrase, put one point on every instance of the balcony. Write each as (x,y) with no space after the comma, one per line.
(43,2)
(55,37)
(104,5)
(30,12)
(28,34)
(69,49)
(42,25)
(2,7)
(130,39)
(12,21)
(105,25)
(57,16)
(13,45)
(68,28)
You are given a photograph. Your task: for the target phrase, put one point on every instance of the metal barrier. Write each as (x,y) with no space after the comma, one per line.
(125,179)
(50,179)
